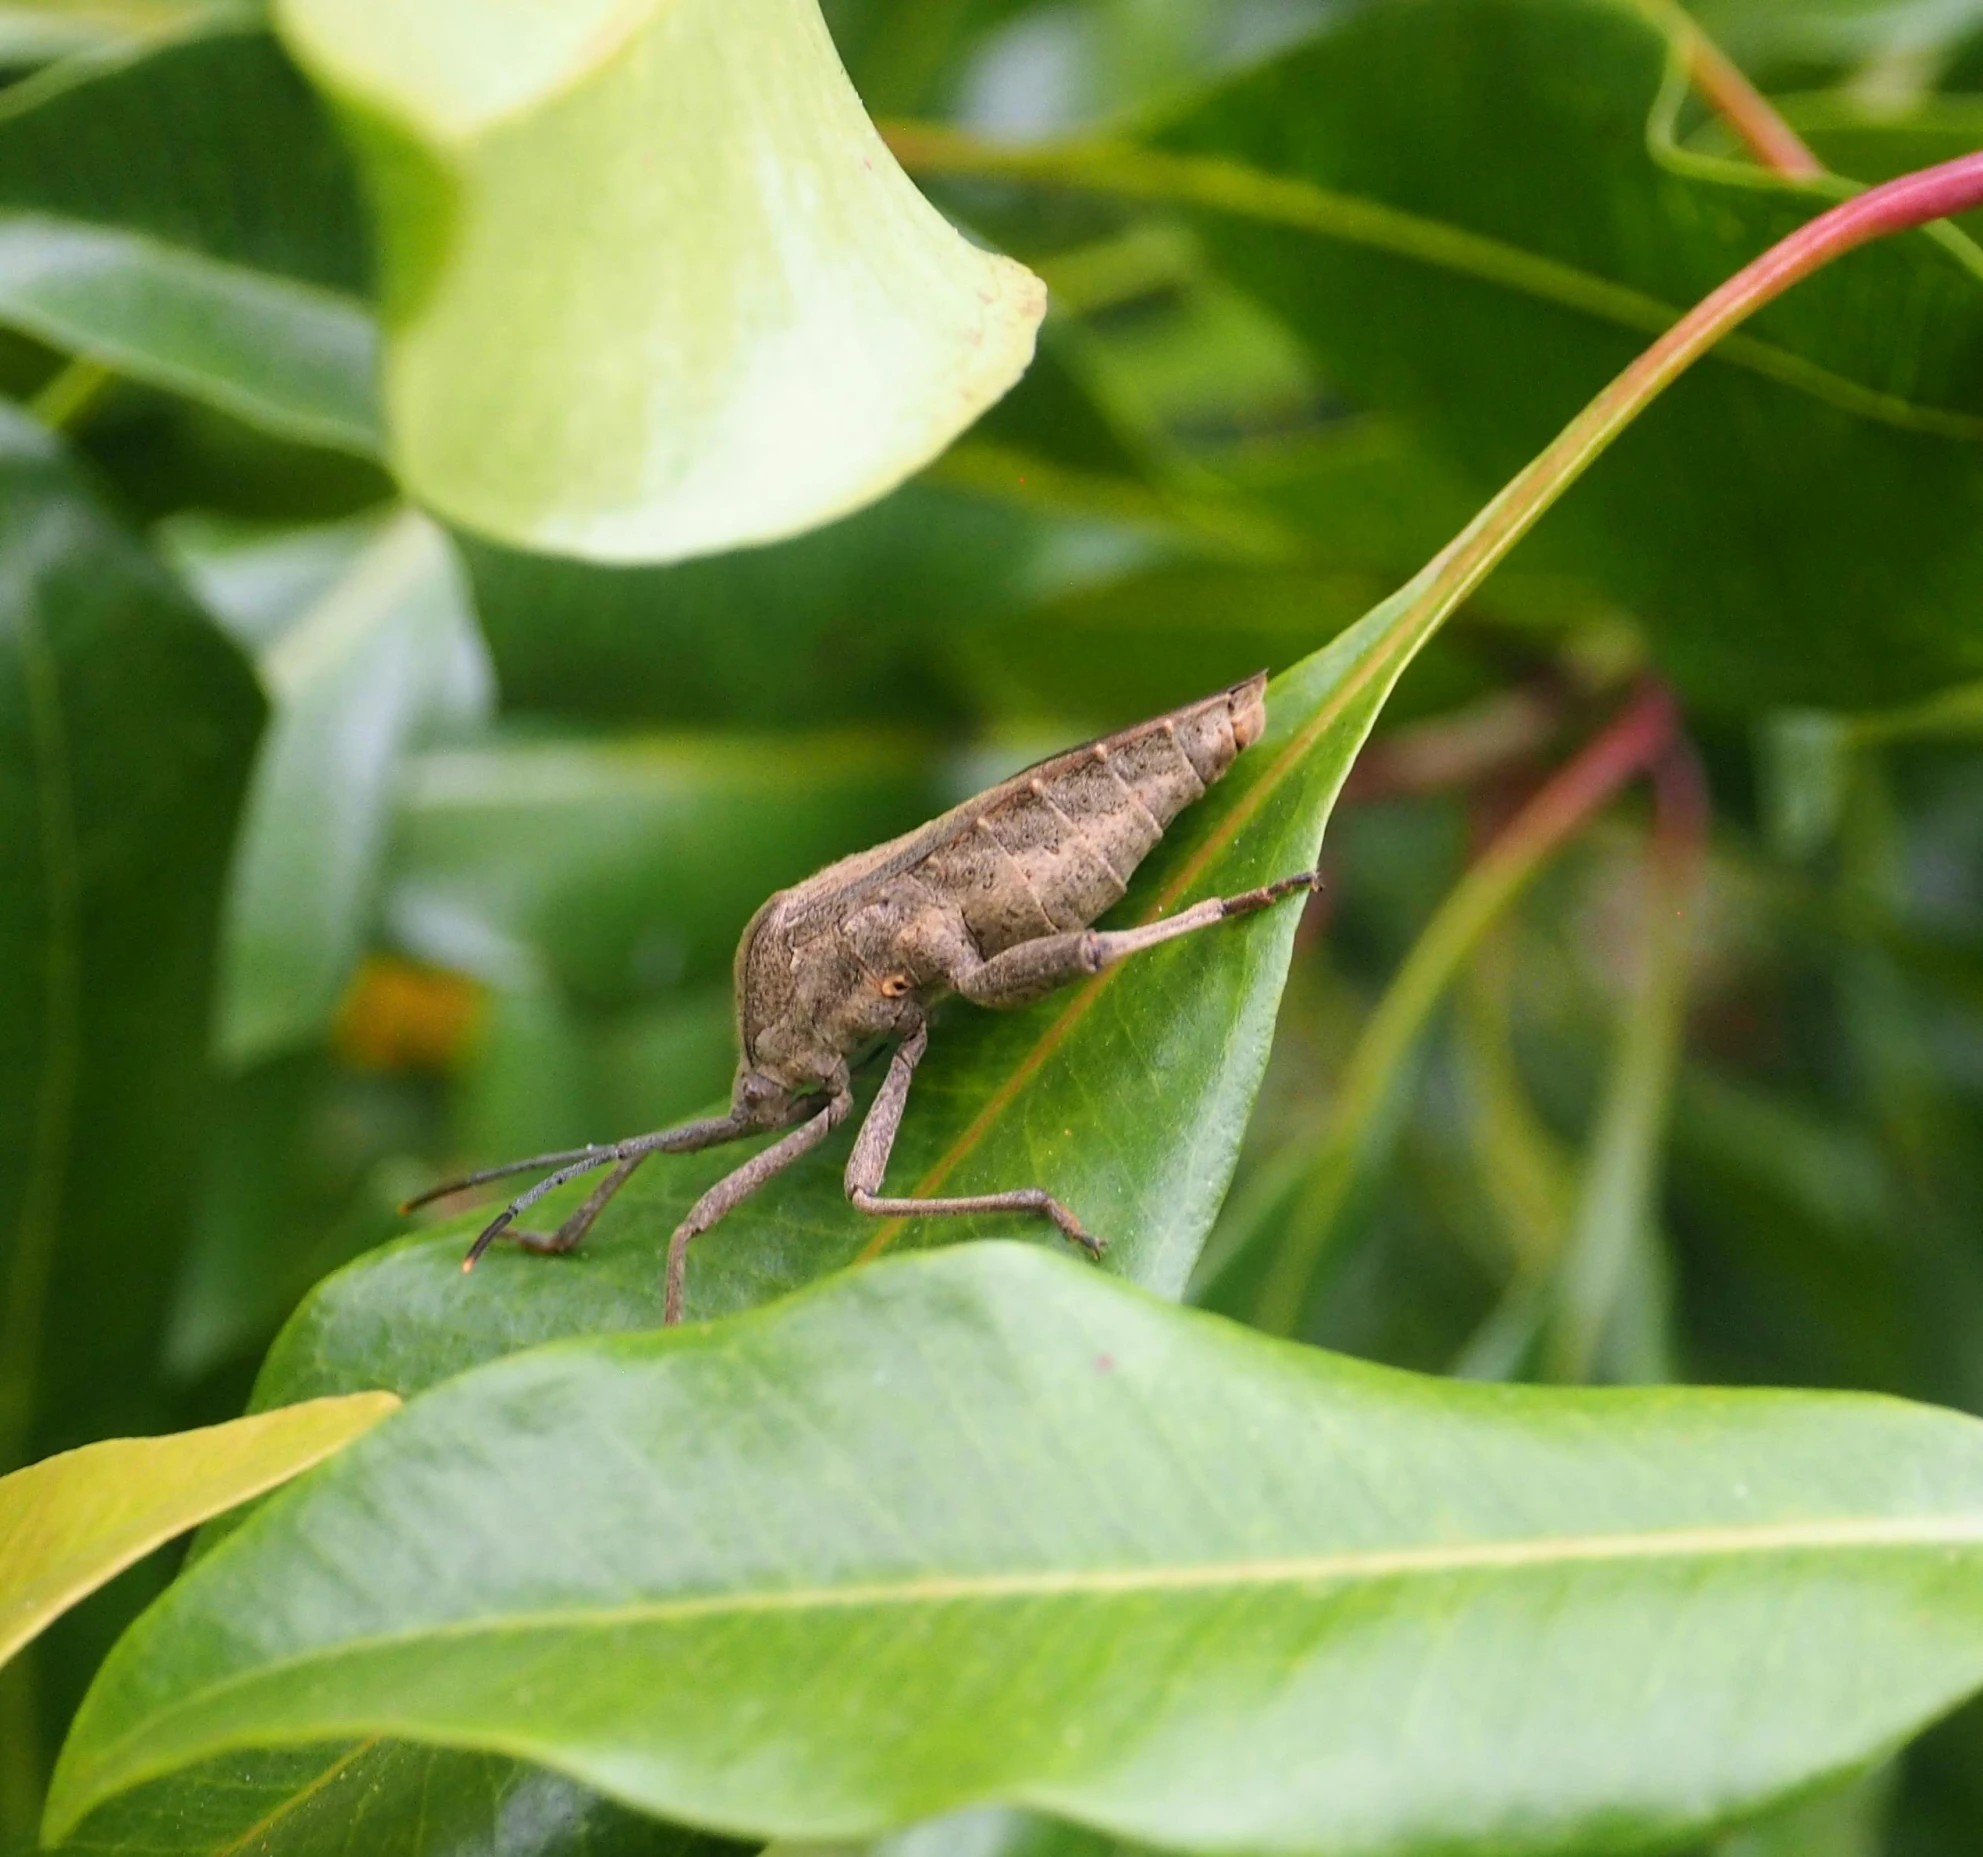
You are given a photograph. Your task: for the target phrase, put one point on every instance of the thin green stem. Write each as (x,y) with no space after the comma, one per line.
(1616,1218)
(70,393)
(1726,89)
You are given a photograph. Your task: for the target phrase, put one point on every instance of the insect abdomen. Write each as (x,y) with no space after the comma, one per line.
(1058,846)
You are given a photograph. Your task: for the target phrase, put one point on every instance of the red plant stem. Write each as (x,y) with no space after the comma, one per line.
(1896,206)
(1681,813)
(1639,737)
(1744,108)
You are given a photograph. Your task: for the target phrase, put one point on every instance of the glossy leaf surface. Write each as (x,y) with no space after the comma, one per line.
(379,1798)
(70,1522)
(1176,1039)
(1222,1593)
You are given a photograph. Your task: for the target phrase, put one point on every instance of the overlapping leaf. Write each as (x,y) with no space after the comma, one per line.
(70,1522)
(984,1526)
(387,649)
(127,722)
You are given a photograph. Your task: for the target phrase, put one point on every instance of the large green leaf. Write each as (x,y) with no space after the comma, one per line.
(182,212)
(72,1521)
(654,286)
(126,726)
(1218,1592)
(1473,212)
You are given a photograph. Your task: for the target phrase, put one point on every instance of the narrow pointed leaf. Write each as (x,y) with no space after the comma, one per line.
(654,286)
(386,649)
(69,1523)
(986,1526)
(127,722)
(1173,1042)
(1177,1038)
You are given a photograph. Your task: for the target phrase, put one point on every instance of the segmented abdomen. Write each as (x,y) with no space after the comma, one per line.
(1052,848)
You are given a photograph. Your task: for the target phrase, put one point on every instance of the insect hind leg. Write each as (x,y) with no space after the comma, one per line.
(1022,973)
(872,1147)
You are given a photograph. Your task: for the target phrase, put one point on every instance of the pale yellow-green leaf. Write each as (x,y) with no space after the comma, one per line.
(69,1524)
(654,286)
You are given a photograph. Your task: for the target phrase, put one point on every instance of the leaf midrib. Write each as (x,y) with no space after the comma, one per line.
(1836,1534)
(1335,1568)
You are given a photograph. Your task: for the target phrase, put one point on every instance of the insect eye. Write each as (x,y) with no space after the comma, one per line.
(896,985)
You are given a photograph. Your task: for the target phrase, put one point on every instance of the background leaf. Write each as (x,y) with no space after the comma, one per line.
(1389,218)
(126,726)
(565,367)
(386,651)
(181,211)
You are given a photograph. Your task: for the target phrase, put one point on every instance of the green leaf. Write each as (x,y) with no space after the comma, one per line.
(1473,212)
(126,726)
(1222,1593)
(69,1523)
(183,213)
(1177,1037)
(654,286)
(1181,1033)
(385,1799)
(387,649)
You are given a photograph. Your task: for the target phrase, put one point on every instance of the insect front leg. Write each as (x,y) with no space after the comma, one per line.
(567,1236)
(621,1156)
(1022,973)
(869,1162)
(734,1188)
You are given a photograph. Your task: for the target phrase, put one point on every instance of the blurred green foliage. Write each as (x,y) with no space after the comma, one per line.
(470,888)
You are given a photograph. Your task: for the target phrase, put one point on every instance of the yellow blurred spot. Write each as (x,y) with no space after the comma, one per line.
(400,1015)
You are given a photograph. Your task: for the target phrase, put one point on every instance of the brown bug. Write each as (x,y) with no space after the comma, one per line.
(992,901)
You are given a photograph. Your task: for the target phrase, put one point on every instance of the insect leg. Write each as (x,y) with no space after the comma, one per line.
(567,1236)
(684,1140)
(869,1161)
(1030,968)
(730,1191)
(461,1185)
